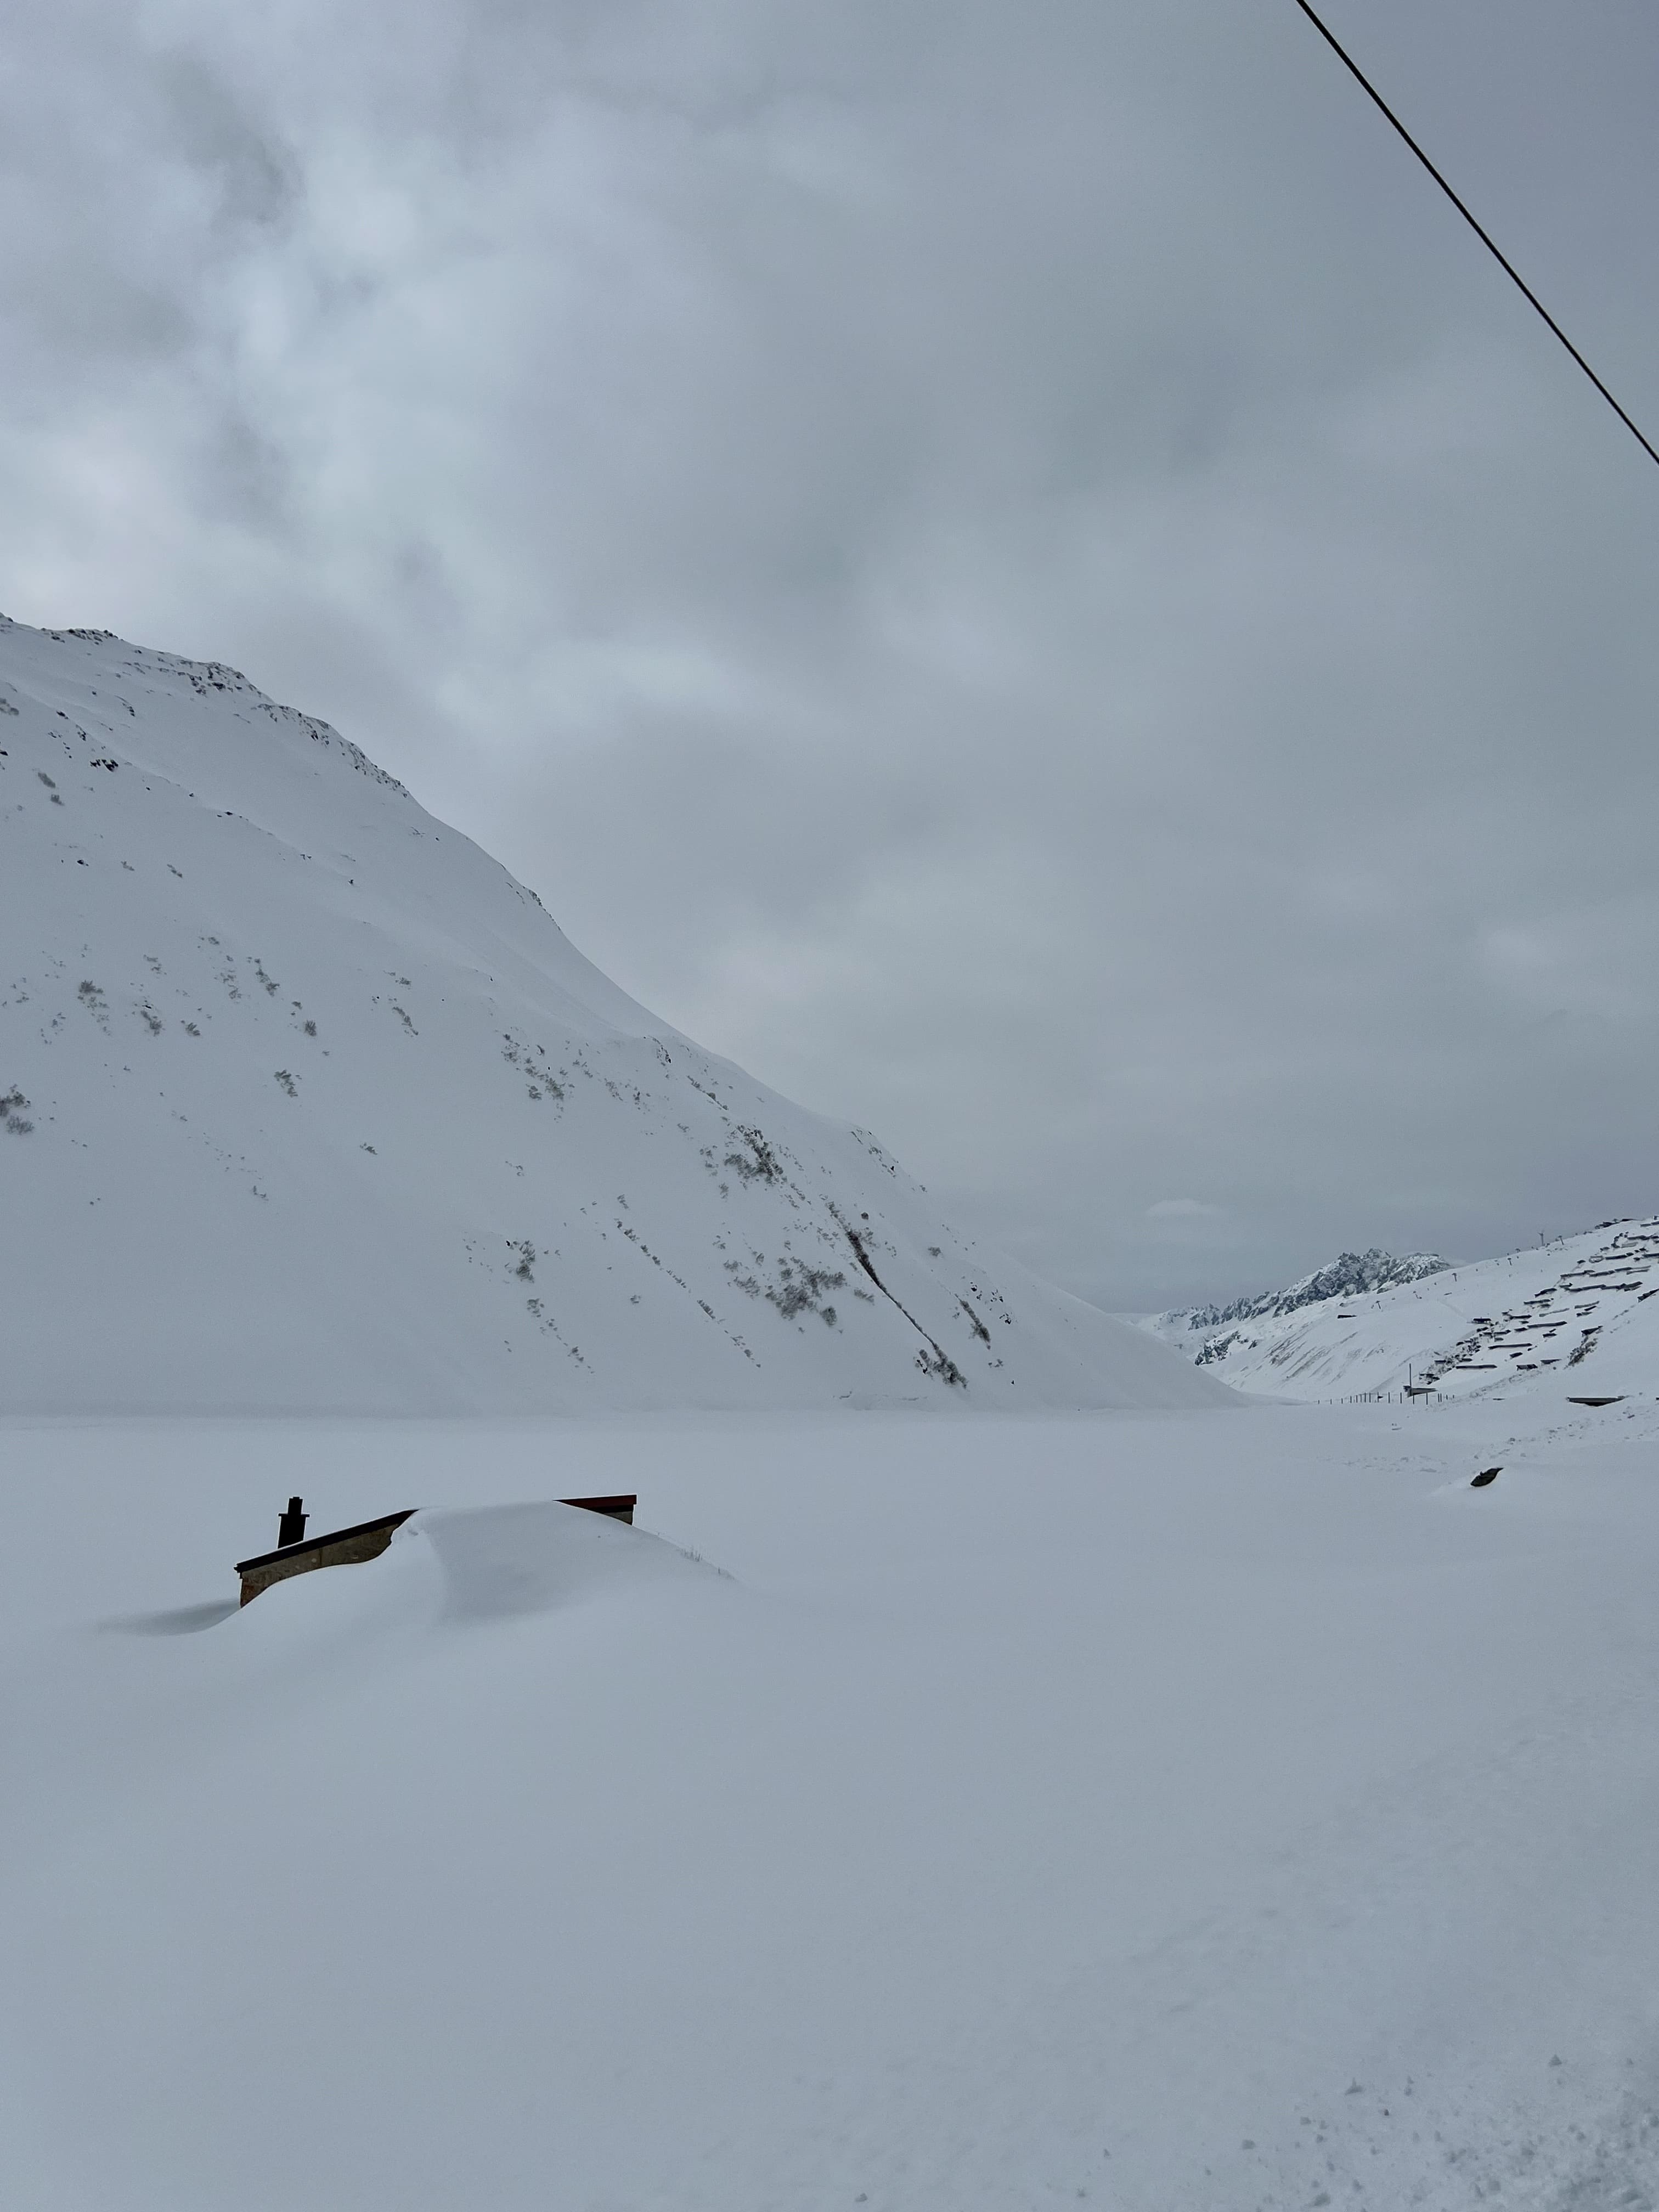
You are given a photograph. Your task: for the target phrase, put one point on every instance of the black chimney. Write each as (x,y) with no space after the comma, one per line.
(292,1527)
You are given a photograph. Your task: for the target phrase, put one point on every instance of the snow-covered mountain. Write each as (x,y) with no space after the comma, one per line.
(306,1104)
(1566,1319)
(1350,1275)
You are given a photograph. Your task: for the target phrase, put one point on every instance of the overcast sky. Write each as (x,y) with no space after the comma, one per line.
(1009,565)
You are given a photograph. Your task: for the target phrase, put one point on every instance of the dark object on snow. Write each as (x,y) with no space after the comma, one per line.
(616,1508)
(342,1547)
(1619,1400)
(291,1528)
(1486,1474)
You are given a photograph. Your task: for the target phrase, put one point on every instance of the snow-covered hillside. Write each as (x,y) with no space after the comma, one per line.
(306,1104)
(1569,1319)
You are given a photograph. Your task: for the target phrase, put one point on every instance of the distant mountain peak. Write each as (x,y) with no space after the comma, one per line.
(1350,1275)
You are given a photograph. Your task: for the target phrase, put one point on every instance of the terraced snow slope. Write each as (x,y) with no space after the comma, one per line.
(306,1104)
(1576,1318)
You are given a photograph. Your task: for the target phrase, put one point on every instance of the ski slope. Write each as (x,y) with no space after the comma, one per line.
(306,1105)
(1574,1318)
(1201,1809)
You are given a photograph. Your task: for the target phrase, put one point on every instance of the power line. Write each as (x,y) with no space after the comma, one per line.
(1503,263)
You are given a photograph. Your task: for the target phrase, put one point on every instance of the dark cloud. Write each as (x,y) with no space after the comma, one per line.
(1014,569)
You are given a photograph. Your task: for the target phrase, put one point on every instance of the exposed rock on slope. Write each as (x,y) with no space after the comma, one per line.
(305,1103)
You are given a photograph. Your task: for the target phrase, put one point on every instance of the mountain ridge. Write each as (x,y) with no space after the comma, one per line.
(1351,1275)
(310,1106)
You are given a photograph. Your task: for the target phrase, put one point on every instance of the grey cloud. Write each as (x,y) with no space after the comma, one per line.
(254,180)
(1010,568)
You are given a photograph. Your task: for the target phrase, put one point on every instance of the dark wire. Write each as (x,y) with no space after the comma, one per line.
(1507,266)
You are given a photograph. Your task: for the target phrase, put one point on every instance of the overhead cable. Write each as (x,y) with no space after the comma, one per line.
(1503,263)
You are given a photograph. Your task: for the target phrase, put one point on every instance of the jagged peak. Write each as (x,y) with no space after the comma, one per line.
(1351,1275)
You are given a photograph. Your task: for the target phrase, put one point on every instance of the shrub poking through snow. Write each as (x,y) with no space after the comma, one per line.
(759,1164)
(800,1288)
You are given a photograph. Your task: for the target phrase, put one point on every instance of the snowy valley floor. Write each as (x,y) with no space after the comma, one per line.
(1199,1810)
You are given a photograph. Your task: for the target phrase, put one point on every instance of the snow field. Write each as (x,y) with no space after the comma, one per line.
(1223,1809)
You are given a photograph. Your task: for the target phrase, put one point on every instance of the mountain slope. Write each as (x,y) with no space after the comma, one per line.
(306,1104)
(1574,1318)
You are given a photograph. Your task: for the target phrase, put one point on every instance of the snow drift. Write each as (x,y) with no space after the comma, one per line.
(278,1045)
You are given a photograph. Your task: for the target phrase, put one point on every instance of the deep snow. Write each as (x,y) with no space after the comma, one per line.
(1199,1810)
(306,1105)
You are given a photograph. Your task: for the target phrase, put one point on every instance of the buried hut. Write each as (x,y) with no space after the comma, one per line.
(298,1554)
